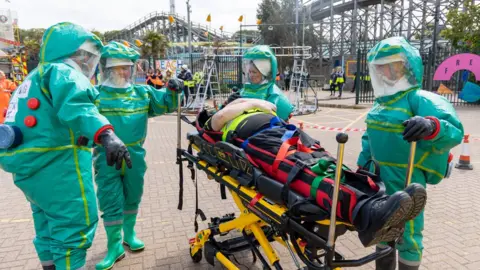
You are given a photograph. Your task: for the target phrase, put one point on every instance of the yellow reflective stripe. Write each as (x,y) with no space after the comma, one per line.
(391,130)
(135,143)
(422,159)
(399,165)
(124,110)
(391,164)
(124,113)
(390,102)
(415,244)
(123,98)
(388,124)
(47,38)
(84,237)
(42,150)
(407,112)
(385,49)
(67,260)
(80,180)
(122,173)
(40,72)
(441,176)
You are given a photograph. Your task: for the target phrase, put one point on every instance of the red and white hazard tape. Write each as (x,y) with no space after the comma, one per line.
(303,126)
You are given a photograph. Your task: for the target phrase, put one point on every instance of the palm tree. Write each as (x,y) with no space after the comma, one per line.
(154,45)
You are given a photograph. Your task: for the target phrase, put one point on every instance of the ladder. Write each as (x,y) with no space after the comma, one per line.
(302,95)
(210,86)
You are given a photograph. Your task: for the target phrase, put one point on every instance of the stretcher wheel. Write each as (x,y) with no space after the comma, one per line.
(197,257)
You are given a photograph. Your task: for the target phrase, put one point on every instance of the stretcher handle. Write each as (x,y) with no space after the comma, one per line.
(342,138)
(411,161)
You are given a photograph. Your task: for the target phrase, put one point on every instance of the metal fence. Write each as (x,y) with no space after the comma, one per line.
(364,92)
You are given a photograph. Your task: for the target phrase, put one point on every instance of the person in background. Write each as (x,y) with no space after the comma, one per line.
(287,76)
(150,77)
(333,82)
(187,78)
(6,89)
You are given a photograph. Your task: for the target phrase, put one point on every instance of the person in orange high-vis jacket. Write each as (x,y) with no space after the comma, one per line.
(6,89)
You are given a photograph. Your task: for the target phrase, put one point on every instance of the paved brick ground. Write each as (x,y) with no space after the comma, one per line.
(452,237)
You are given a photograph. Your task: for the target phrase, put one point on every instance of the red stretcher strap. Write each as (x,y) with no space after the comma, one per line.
(255,200)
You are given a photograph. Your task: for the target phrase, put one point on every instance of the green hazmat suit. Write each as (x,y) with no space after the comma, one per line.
(53,108)
(383,140)
(267,90)
(127,106)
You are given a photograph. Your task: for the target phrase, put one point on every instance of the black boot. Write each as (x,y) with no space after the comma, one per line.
(419,196)
(388,262)
(382,219)
(402,266)
(50,267)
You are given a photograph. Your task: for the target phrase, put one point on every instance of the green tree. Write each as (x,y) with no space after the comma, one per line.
(98,34)
(32,39)
(283,12)
(463,27)
(110,35)
(154,45)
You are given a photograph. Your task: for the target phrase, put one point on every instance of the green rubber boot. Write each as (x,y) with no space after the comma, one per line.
(129,236)
(115,251)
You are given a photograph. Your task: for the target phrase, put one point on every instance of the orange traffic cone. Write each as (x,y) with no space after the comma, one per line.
(464,160)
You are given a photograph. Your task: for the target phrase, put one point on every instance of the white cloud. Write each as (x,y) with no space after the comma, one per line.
(106,15)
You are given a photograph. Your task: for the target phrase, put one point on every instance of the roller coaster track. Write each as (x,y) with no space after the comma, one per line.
(176,31)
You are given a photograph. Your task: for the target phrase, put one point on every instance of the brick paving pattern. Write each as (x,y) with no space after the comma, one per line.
(452,231)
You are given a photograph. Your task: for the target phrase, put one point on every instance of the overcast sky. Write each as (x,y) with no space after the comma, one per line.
(107,15)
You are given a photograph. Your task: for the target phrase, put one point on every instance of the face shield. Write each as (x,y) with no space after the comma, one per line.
(85,59)
(390,75)
(118,73)
(257,71)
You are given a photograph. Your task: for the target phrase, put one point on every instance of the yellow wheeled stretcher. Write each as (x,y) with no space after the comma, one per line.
(264,218)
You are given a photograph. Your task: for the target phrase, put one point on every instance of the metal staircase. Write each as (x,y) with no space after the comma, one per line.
(209,86)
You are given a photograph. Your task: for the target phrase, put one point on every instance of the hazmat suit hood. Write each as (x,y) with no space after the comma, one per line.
(387,54)
(63,39)
(69,43)
(257,56)
(116,54)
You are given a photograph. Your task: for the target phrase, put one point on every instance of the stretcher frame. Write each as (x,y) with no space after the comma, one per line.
(261,220)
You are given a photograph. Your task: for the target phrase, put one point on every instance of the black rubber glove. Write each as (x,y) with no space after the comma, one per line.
(174,85)
(115,149)
(417,128)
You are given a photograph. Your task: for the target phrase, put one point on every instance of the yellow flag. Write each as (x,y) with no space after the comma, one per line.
(259,21)
(138,43)
(171,19)
(221,28)
(240,19)
(209,18)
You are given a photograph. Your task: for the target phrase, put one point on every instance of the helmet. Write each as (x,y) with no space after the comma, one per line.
(72,44)
(394,66)
(118,65)
(184,67)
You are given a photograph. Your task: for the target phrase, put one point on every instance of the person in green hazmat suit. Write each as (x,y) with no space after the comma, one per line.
(260,68)
(54,118)
(403,113)
(127,106)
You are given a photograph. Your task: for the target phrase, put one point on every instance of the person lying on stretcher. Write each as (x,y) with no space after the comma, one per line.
(277,147)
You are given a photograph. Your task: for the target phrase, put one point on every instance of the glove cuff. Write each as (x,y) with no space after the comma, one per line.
(100,131)
(437,125)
